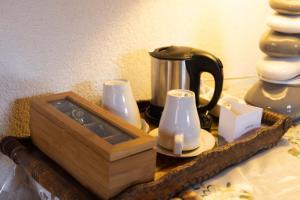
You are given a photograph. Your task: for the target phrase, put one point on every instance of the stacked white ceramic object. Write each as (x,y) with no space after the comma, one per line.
(281,44)
(279,70)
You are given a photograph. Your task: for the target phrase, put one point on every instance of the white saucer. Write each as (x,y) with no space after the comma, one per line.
(207,142)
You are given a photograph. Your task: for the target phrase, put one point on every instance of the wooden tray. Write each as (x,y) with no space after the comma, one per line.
(172,176)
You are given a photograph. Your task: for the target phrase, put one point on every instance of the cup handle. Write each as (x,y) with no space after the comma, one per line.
(178,144)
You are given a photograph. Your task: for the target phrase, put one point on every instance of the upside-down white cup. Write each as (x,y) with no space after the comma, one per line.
(118,98)
(179,127)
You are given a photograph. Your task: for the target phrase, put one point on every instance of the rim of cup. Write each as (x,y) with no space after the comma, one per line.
(116,82)
(181,93)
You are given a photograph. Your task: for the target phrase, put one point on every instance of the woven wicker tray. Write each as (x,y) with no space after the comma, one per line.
(173,175)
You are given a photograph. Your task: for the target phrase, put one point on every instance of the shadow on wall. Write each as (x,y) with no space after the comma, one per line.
(19,116)
(43,43)
(135,67)
(87,89)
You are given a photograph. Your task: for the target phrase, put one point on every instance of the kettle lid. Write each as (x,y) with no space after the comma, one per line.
(173,53)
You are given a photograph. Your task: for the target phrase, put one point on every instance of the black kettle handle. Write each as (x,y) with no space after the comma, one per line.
(205,62)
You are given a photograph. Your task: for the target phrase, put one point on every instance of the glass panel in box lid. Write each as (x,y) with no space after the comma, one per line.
(95,124)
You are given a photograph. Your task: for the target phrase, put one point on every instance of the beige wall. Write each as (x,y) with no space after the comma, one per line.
(60,45)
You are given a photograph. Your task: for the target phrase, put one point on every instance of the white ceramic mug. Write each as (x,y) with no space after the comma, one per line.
(179,127)
(118,98)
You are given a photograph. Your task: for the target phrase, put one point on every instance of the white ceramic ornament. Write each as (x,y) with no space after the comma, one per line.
(284,23)
(294,81)
(280,69)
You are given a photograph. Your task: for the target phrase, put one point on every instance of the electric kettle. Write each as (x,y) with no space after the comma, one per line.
(179,67)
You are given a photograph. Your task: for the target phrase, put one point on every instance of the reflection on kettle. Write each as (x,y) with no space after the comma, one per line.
(178,67)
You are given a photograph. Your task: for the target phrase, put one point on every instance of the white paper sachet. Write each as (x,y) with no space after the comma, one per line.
(237,119)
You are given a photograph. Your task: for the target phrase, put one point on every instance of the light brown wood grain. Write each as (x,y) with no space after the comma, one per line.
(86,156)
(110,152)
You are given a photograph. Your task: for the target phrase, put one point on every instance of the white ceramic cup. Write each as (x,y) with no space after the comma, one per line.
(118,98)
(179,126)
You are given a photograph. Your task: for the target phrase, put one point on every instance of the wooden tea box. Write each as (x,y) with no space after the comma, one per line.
(102,151)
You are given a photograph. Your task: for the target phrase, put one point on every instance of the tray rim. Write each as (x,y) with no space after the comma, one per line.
(278,125)
(264,138)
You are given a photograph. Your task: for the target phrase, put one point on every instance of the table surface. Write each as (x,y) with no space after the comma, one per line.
(272,174)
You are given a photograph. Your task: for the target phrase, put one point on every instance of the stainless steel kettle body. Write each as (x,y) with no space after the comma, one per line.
(167,75)
(176,67)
